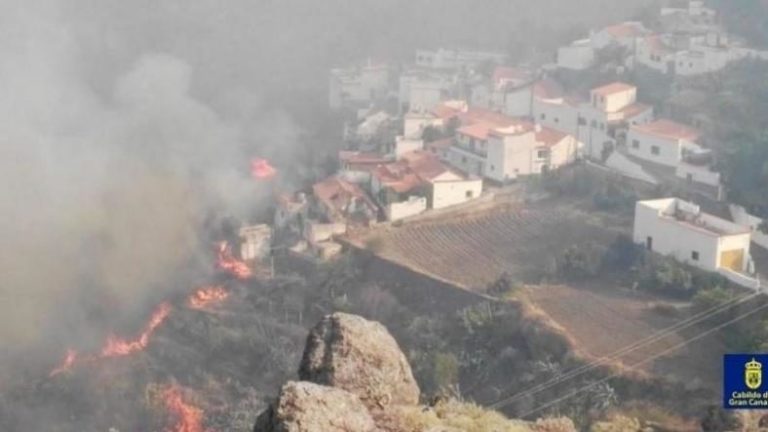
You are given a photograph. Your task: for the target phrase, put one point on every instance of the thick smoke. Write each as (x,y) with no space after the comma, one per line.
(103,193)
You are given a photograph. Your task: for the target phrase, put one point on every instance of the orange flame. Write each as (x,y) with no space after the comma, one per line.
(69,361)
(116,347)
(262,170)
(232,265)
(204,297)
(188,418)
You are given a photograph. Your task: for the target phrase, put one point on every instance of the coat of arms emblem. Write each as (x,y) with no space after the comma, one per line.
(753,374)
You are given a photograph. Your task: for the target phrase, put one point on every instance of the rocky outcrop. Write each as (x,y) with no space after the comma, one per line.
(305,407)
(360,356)
(356,379)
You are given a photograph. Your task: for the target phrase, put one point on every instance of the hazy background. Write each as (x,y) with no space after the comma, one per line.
(123,123)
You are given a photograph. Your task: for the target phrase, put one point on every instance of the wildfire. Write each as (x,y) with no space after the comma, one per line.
(188,418)
(117,347)
(67,364)
(204,297)
(230,264)
(262,170)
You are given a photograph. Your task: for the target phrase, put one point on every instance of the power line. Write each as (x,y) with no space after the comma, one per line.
(653,357)
(695,319)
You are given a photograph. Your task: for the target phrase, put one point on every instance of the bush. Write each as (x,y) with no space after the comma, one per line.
(446,371)
(580,262)
(622,254)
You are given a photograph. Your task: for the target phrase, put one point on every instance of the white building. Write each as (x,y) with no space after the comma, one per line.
(255,242)
(664,142)
(680,229)
(603,121)
(419,181)
(579,55)
(623,34)
(358,86)
(422,90)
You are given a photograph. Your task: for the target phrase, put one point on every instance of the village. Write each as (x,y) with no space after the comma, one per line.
(457,128)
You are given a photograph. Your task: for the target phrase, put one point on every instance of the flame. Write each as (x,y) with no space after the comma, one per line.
(188,418)
(232,265)
(116,347)
(262,170)
(69,361)
(206,296)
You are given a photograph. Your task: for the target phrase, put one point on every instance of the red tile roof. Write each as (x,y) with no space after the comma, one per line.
(506,74)
(612,88)
(361,158)
(477,130)
(625,30)
(548,137)
(337,194)
(548,89)
(669,129)
(414,169)
(634,110)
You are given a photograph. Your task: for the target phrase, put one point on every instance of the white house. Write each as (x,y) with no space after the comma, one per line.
(255,242)
(419,180)
(663,141)
(358,86)
(524,149)
(623,34)
(604,119)
(680,229)
(578,55)
(554,109)
(422,90)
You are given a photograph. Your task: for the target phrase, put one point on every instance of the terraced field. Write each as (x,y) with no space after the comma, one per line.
(473,251)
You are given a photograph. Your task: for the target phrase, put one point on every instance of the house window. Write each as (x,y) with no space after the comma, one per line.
(493,168)
(582,121)
(649,243)
(635,144)
(469,194)
(463,159)
(695,255)
(543,116)
(655,150)
(542,154)
(594,124)
(557,120)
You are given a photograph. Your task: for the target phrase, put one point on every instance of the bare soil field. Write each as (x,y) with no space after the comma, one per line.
(474,250)
(603,319)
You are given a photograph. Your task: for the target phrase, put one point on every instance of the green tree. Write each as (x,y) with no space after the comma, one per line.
(446,370)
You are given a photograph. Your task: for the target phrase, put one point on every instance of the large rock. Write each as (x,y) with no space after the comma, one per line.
(360,356)
(308,407)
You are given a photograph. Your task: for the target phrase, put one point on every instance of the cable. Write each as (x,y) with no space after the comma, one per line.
(625,350)
(653,357)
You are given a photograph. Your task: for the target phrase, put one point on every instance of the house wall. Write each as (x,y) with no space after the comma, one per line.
(735,242)
(517,102)
(743,218)
(563,153)
(316,232)
(670,150)
(405,145)
(556,115)
(466,161)
(578,56)
(697,174)
(413,206)
(414,126)
(448,193)
(594,131)
(675,239)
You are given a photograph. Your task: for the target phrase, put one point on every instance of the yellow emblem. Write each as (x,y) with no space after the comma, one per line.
(753,374)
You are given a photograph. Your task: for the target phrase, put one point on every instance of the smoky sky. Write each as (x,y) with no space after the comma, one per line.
(122,123)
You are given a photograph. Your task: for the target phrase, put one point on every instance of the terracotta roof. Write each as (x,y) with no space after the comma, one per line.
(635,109)
(549,137)
(414,169)
(505,74)
(338,194)
(616,87)
(482,115)
(548,89)
(361,158)
(625,30)
(445,112)
(477,130)
(657,45)
(669,129)
(440,144)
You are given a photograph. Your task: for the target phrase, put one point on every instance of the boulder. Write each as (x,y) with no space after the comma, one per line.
(360,356)
(308,407)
